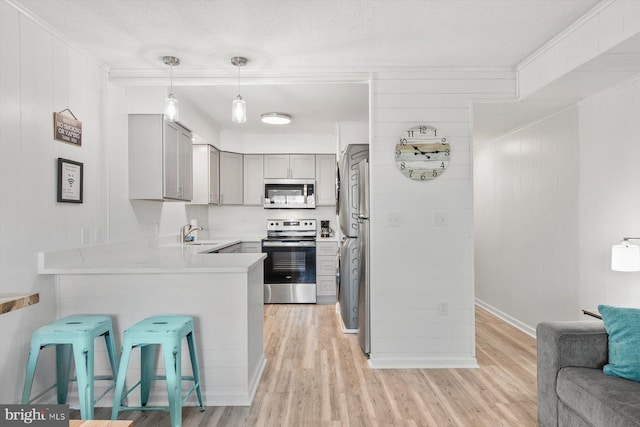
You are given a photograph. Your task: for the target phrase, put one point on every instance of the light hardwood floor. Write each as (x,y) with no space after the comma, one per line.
(317,376)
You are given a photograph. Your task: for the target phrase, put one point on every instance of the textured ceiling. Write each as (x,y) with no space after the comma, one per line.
(300,36)
(308,34)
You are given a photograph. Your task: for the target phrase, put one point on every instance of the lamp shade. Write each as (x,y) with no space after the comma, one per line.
(625,257)
(239,110)
(171,108)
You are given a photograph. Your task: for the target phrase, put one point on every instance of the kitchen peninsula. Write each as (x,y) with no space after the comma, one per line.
(223,292)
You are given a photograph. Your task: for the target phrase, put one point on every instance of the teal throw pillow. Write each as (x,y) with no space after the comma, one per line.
(623,328)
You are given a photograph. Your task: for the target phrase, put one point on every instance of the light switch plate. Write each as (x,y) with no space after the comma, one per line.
(84,235)
(443,308)
(393,219)
(440,219)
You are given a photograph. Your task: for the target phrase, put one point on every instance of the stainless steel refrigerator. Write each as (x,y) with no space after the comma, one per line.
(364,320)
(347,206)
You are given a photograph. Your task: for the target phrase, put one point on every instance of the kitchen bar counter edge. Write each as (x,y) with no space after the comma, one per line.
(143,257)
(130,281)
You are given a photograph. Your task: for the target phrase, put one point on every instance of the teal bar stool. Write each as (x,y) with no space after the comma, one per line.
(168,332)
(74,334)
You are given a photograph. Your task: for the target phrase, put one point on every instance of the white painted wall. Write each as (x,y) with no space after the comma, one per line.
(526,222)
(351,133)
(251,221)
(416,266)
(40,74)
(609,199)
(550,200)
(265,143)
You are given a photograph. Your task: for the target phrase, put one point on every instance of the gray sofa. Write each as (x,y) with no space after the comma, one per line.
(572,390)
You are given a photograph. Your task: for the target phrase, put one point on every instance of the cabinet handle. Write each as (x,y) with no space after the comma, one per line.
(222,198)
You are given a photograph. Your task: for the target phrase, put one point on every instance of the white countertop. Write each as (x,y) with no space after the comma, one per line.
(139,258)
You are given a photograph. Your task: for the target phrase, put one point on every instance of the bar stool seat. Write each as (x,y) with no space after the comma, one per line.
(167,331)
(73,334)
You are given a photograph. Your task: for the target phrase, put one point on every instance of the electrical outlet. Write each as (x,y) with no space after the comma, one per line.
(443,308)
(97,236)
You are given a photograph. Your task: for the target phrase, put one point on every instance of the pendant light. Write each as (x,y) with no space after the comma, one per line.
(238,106)
(171,108)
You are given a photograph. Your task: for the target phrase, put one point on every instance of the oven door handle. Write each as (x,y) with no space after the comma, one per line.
(289,243)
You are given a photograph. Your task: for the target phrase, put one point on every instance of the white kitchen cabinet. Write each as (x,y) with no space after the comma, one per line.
(160,159)
(325,179)
(326,252)
(253,179)
(231,178)
(290,166)
(206,175)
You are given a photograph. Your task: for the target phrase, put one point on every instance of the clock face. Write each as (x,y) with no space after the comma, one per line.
(423,153)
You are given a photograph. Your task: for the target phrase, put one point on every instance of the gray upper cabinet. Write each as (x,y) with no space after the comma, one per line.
(231,178)
(160,159)
(325,179)
(206,175)
(290,166)
(253,182)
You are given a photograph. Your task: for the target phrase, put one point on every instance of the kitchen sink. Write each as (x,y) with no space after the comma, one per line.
(207,242)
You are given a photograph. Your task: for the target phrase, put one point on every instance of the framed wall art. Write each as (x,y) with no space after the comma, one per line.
(67,129)
(70,181)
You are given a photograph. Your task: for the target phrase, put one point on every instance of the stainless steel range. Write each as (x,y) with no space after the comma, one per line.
(290,267)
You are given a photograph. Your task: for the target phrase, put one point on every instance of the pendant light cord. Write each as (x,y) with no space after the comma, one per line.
(238,79)
(171,78)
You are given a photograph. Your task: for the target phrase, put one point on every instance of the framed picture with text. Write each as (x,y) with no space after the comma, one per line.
(70,177)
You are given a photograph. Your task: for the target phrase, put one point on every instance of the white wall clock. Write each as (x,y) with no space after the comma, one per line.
(423,153)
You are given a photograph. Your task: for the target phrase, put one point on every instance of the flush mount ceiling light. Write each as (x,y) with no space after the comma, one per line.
(238,106)
(171,108)
(275,118)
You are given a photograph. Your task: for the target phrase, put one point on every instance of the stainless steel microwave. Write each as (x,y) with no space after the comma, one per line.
(289,194)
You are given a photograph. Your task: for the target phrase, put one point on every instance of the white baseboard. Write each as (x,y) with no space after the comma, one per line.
(211,396)
(422,363)
(255,381)
(510,320)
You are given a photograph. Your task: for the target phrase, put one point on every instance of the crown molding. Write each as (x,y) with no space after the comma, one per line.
(56,33)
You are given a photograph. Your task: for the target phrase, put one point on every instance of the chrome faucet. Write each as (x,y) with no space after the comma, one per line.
(186,231)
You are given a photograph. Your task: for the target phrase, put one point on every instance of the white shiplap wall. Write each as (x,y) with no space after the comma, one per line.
(526,222)
(40,74)
(550,200)
(416,266)
(609,198)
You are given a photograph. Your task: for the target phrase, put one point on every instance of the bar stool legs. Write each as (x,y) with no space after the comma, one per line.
(167,332)
(73,335)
